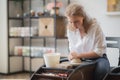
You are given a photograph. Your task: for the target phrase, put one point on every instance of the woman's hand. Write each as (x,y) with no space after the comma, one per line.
(73,55)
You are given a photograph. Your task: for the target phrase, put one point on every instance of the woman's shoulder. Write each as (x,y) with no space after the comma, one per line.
(94,26)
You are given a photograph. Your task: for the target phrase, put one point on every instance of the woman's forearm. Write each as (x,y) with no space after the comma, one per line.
(88,55)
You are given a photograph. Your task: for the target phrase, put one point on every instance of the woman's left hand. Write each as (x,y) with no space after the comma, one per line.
(74,55)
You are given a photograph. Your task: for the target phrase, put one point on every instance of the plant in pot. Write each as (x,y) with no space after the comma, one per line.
(54,7)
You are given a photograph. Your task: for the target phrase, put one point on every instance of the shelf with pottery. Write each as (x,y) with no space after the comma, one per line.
(37,32)
(36,17)
(22,32)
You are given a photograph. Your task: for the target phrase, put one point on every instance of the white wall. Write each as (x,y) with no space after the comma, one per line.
(98,9)
(3,37)
(109,23)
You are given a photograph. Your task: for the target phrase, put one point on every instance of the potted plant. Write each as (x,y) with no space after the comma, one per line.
(54,7)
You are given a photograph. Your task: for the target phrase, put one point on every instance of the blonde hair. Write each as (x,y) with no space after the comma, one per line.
(75,9)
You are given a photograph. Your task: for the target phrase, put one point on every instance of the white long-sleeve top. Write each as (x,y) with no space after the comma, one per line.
(94,40)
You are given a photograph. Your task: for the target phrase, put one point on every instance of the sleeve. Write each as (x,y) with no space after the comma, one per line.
(100,42)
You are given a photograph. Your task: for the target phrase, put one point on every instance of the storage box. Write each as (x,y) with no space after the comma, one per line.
(46,27)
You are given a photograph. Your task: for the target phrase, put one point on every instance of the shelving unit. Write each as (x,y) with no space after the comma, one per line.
(23,43)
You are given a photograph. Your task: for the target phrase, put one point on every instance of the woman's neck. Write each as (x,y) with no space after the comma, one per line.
(82,32)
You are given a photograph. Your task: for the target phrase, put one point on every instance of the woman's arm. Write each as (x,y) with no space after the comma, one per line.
(91,54)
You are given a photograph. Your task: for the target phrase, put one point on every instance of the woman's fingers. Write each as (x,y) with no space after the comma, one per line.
(74,55)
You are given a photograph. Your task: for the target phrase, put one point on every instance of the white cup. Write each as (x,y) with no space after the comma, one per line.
(52,59)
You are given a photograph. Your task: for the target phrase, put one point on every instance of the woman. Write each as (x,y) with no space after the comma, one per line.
(86,39)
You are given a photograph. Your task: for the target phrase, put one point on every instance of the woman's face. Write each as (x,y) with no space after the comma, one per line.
(76,21)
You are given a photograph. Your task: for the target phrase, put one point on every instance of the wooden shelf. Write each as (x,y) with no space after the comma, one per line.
(35,17)
(113,13)
(26,56)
